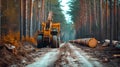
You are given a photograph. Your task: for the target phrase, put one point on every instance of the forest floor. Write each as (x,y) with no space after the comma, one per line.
(25,55)
(109,56)
(68,55)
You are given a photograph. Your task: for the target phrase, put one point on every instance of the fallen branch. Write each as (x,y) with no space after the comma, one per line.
(12,48)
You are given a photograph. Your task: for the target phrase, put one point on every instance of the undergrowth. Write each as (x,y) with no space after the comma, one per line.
(13,38)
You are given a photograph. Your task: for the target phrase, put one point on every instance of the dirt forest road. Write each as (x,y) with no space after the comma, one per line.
(67,55)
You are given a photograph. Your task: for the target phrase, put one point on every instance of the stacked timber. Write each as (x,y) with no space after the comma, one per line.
(91,42)
(114,43)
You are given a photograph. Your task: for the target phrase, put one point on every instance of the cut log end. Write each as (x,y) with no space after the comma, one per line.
(92,42)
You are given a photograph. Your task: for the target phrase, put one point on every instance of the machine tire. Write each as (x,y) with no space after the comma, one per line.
(55,42)
(39,41)
(58,42)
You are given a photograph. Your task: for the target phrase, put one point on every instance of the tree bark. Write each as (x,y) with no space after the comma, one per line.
(118,30)
(106,19)
(91,42)
(90,18)
(97,16)
(31,18)
(95,19)
(25,18)
(86,17)
(101,21)
(38,24)
(0,18)
(39,13)
(21,19)
(115,20)
(43,8)
(111,19)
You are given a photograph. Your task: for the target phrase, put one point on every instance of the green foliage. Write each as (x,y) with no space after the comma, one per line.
(74,9)
(54,6)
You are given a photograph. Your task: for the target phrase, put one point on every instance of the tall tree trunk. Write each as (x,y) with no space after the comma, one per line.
(118,27)
(26,21)
(87,24)
(25,18)
(21,19)
(0,18)
(41,13)
(111,19)
(42,10)
(107,33)
(38,25)
(95,18)
(115,20)
(36,16)
(31,18)
(86,18)
(101,21)
(39,9)
(90,17)
(106,19)
(24,11)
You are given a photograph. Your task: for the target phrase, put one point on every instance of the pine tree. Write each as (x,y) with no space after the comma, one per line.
(0,19)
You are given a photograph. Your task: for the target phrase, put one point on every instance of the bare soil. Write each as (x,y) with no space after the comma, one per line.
(72,56)
(25,55)
(106,55)
(68,55)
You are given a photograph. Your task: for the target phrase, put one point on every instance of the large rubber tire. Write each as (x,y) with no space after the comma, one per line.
(55,42)
(39,41)
(58,42)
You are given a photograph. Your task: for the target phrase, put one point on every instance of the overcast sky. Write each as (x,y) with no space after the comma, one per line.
(65,8)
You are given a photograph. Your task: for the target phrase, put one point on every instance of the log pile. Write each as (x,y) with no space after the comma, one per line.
(114,43)
(91,42)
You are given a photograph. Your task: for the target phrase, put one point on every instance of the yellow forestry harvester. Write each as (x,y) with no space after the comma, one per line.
(49,35)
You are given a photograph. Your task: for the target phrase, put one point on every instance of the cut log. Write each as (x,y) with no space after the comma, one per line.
(114,43)
(91,42)
(9,46)
(118,45)
(116,55)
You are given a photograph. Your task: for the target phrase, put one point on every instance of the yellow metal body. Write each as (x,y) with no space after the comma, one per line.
(47,32)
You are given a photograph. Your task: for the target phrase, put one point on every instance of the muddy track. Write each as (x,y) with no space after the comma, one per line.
(66,56)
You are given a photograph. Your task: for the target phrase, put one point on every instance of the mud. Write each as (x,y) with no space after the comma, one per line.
(72,56)
(105,55)
(68,55)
